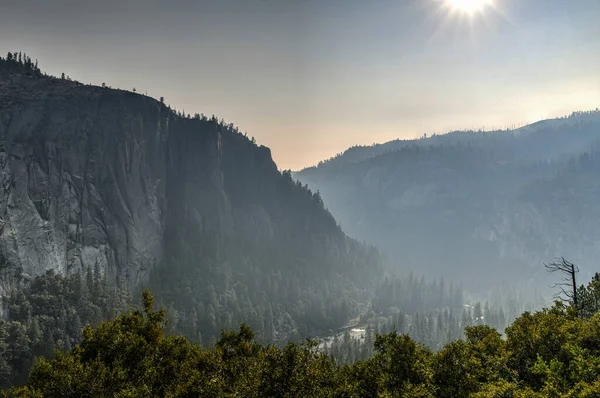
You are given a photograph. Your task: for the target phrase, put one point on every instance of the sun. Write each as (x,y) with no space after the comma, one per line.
(469,7)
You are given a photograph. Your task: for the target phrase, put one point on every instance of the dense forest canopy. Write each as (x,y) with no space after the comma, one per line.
(552,352)
(47,313)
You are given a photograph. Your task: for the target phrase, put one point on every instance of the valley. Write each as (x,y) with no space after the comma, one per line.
(105,193)
(474,207)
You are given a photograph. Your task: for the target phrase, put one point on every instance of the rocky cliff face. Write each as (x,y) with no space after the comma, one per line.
(83,177)
(95,178)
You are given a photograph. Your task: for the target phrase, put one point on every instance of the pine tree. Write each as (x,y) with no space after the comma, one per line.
(478,314)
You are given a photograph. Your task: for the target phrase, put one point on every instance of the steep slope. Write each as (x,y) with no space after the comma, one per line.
(92,177)
(454,205)
(565,211)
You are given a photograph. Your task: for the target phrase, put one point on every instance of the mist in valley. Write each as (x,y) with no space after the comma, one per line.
(173,222)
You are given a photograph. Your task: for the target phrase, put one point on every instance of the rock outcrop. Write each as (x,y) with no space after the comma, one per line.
(95,177)
(82,177)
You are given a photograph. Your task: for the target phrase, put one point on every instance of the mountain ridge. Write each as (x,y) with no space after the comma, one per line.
(360,153)
(93,177)
(447,204)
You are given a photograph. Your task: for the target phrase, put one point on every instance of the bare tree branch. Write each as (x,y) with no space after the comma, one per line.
(568,284)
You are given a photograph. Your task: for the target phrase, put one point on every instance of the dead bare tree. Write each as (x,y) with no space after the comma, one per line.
(567,283)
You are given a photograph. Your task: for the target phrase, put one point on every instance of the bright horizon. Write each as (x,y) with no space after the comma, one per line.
(311,79)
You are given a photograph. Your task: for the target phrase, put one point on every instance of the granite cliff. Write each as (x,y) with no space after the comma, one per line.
(92,177)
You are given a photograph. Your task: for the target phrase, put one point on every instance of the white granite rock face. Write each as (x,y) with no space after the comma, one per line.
(82,183)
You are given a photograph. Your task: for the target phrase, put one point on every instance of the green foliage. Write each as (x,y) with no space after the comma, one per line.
(464,367)
(132,357)
(550,353)
(402,363)
(47,314)
(589,298)
(434,327)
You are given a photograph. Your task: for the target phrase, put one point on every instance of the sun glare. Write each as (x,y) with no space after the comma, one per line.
(469,7)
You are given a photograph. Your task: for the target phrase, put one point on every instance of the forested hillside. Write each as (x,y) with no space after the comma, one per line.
(479,207)
(107,191)
(432,312)
(104,192)
(48,313)
(93,178)
(554,352)
(538,141)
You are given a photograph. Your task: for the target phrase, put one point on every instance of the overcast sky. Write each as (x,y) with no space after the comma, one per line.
(309,78)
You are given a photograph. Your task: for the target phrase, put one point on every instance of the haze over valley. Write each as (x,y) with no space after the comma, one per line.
(475,207)
(173,222)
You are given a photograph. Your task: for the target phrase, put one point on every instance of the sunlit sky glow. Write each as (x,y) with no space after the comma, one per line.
(310,78)
(469,7)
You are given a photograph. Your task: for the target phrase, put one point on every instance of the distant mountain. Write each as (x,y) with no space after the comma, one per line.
(96,178)
(473,206)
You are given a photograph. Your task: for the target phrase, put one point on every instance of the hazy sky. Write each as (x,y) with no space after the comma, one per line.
(310,78)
